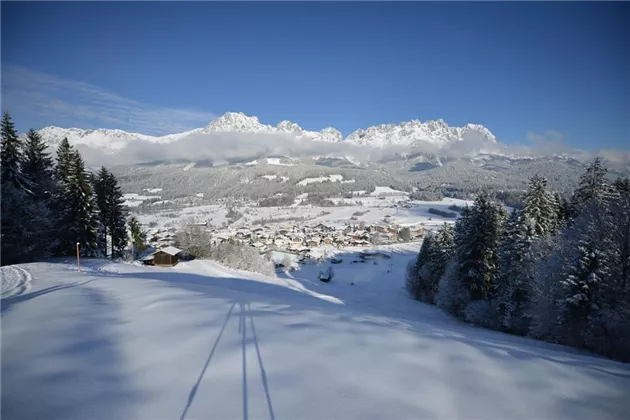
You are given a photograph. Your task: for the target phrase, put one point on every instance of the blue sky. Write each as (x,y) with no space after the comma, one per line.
(527,71)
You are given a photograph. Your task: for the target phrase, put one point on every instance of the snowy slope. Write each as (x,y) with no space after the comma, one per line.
(199,341)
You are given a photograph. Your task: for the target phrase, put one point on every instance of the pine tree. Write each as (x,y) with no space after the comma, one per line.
(515,272)
(37,164)
(414,282)
(11,155)
(65,153)
(117,215)
(541,206)
(580,285)
(439,254)
(25,220)
(564,210)
(138,236)
(477,250)
(37,169)
(99,186)
(82,217)
(622,185)
(593,186)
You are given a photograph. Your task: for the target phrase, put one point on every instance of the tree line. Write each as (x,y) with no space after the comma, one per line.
(51,204)
(556,270)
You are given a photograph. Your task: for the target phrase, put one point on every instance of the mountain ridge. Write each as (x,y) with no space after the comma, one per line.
(410,134)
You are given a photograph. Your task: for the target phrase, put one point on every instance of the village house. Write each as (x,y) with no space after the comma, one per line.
(165,257)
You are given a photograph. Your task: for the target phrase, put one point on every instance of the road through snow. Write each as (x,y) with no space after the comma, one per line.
(201,341)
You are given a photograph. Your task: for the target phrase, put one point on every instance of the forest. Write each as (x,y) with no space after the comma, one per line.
(556,269)
(52,205)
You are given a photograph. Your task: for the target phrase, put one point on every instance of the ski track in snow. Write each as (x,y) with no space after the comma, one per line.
(203,341)
(15,281)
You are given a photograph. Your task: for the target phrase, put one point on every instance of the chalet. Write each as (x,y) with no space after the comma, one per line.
(312,242)
(328,240)
(320,227)
(165,257)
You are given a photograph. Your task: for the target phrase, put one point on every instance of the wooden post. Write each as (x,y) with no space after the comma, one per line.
(78,259)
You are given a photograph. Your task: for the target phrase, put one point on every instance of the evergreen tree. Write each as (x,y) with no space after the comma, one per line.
(37,164)
(15,241)
(541,206)
(515,271)
(99,186)
(439,254)
(11,155)
(37,169)
(564,210)
(580,285)
(25,220)
(477,249)
(414,281)
(138,236)
(593,186)
(65,154)
(622,185)
(113,214)
(82,217)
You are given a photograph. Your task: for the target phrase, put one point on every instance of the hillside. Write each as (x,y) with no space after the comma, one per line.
(200,341)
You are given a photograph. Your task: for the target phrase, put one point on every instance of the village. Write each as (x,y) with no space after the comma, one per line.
(304,242)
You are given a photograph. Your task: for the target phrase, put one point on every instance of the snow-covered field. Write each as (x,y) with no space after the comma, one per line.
(121,341)
(415,213)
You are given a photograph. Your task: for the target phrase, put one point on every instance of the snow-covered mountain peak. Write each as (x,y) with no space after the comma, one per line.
(415,133)
(331,134)
(237,122)
(289,127)
(412,133)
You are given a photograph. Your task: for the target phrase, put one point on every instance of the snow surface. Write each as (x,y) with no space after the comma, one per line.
(14,281)
(134,200)
(331,178)
(276,161)
(387,191)
(152,190)
(122,341)
(416,213)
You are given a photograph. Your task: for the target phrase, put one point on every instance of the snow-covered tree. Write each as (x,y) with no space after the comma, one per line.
(193,239)
(541,206)
(477,246)
(593,186)
(18,210)
(418,273)
(515,272)
(11,155)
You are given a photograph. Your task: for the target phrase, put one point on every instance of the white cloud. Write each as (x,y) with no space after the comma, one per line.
(231,147)
(71,103)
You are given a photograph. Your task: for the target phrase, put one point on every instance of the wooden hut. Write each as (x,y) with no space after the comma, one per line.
(166,257)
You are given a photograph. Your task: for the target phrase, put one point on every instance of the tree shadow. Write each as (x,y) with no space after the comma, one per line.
(263,373)
(193,391)
(6,303)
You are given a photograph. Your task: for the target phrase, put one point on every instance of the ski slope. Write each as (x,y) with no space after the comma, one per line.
(121,341)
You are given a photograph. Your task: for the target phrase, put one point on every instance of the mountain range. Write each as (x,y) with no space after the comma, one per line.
(408,134)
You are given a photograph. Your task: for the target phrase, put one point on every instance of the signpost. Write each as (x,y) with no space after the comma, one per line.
(78,259)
